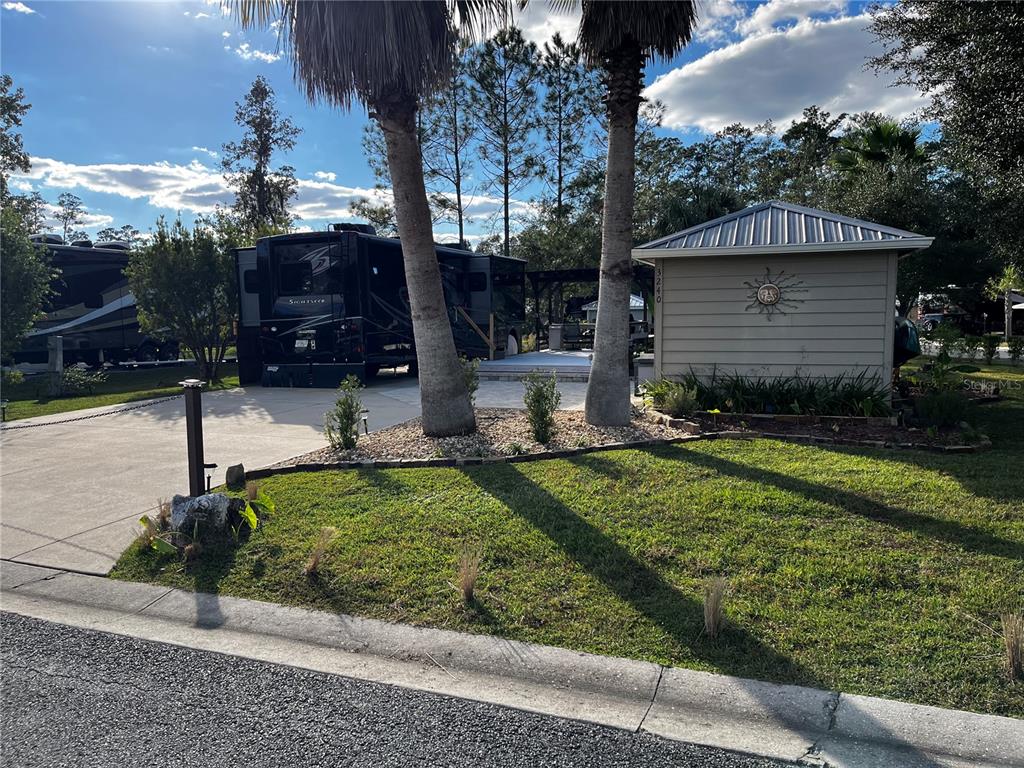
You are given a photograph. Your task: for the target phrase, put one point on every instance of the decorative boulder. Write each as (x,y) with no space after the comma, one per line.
(210,511)
(235,476)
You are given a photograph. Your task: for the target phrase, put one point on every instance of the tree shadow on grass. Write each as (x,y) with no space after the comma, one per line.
(634,581)
(947,531)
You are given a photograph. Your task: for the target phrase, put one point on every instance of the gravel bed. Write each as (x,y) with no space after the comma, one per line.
(500,432)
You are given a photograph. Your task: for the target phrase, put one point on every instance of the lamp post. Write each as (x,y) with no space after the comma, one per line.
(194,434)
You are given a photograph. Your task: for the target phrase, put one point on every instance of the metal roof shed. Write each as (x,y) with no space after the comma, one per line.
(777,290)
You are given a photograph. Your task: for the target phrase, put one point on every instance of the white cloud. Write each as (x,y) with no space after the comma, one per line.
(539,22)
(247,53)
(206,151)
(715,19)
(225,34)
(197,188)
(202,15)
(325,175)
(18,8)
(765,17)
(776,74)
(188,13)
(21,185)
(88,220)
(158,49)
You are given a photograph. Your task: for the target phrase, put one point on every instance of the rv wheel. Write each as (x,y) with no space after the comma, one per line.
(511,346)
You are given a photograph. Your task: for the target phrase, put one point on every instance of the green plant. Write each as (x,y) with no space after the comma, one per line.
(989,347)
(529,343)
(78,381)
(941,374)
(1016,348)
(946,335)
(514,449)
(541,399)
(469,570)
(256,507)
(341,424)
(471,372)
(714,600)
(327,535)
(680,401)
(11,378)
(942,408)
(966,347)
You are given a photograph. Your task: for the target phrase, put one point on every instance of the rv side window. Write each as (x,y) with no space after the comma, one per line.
(295,278)
(250,280)
(478,281)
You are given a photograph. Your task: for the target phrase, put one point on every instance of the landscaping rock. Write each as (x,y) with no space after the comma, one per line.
(210,511)
(235,476)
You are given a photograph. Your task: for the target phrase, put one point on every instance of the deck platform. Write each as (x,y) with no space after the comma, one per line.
(567,365)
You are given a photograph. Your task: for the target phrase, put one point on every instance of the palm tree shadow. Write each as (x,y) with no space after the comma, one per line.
(634,581)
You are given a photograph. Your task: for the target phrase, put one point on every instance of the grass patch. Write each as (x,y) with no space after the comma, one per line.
(866,571)
(29,398)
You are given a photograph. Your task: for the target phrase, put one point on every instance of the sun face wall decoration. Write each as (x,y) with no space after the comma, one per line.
(773,294)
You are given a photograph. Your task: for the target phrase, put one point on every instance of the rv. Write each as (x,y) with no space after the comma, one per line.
(91,307)
(317,306)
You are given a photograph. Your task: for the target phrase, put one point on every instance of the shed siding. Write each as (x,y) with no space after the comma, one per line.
(841,321)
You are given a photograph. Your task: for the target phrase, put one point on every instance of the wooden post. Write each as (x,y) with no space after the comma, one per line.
(490,334)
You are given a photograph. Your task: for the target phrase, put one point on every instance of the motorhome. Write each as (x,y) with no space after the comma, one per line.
(91,307)
(315,307)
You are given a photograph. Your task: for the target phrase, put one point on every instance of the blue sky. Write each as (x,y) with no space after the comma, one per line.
(129,99)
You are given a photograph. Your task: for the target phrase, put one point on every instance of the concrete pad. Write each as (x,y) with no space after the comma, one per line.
(973,738)
(781,721)
(14,575)
(95,551)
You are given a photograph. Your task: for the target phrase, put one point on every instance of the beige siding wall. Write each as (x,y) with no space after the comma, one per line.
(841,320)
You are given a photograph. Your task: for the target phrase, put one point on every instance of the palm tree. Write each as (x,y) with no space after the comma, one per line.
(620,37)
(883,143)
(390,56)
(1003,287)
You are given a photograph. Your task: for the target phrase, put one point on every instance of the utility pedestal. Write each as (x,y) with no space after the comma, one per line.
(194,433)
(55,365)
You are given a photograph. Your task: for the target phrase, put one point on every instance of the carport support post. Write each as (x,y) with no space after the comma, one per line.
(55,365)
(194,433)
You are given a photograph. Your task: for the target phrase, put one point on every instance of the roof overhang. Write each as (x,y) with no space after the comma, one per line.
(900,245)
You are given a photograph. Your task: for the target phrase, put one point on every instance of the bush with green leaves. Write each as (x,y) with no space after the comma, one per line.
(1016,348)
(471,372)
(942,374)
(989,347)
(341,424)
(946,335)
(541,400)
(967,347)
(942,408)
(78,381)
(842,395)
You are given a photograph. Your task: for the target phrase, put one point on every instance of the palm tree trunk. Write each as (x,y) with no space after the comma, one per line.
(1008,314)
(607,401)
(444,397)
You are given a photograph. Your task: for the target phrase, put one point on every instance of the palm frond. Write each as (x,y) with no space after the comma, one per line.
(655,28)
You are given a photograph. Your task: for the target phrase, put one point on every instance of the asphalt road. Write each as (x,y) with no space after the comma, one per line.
(75,697)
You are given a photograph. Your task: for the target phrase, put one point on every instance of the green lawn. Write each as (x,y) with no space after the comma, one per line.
(868,571)
(29,398)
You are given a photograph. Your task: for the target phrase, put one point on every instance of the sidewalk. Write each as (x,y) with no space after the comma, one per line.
(801,725)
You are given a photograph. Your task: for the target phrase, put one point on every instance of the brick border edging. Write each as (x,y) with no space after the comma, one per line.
(475,461)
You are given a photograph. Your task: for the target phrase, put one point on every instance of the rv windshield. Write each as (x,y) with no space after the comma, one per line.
(309,279)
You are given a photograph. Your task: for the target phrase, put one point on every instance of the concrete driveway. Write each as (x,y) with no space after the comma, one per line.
(70,494)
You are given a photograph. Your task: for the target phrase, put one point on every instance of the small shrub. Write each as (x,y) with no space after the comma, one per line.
(1013,644)
(1016,346)
(514,449)
(946,335)
(942,408)
(327,535)
(714,601)
(471,373)
(341,425)
(469,571)
(11,378)
(529,343)
(680,401)
(989,347)
(541,400)
(967,347)
(77,381)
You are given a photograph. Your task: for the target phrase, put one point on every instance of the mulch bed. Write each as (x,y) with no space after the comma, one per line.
(500,432)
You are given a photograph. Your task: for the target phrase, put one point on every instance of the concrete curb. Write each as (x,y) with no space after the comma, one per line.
(802,725)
